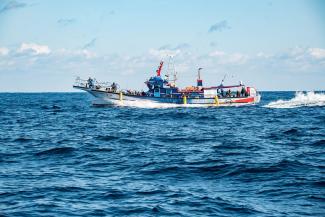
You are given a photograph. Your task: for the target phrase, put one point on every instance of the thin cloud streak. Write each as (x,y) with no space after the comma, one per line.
(12,5)
(65,22)
(219,27)
(90,44)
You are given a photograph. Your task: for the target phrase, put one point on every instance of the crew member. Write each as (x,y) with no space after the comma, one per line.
(90,82)
(238,93)
(114,87)
(243,91)
(229,93)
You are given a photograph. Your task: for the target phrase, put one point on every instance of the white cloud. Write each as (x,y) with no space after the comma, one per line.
(4,51)
(33,48)
(317,53)
(232,58)
(82,62)
(88,54)
(263,55)
(238,58)
(73,53)
(217,53)
(163,53)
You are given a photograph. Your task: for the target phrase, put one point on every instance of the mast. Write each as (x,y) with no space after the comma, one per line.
(168,69)
(223,80)
(199,80)
(171,72)
(175,78)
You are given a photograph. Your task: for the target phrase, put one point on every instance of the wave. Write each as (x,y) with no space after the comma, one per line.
(319,142)
(56,151)
(114,194)
(292,131)
(22,139)
(301,99)
(106,138)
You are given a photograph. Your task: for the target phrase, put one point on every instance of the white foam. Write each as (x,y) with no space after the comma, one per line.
(151,104)
(301,99)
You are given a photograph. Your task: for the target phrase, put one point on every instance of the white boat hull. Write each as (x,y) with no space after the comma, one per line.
(114,98)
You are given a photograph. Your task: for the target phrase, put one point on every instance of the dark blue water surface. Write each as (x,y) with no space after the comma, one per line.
(60,156)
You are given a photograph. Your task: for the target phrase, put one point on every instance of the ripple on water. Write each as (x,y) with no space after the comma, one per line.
(56,151)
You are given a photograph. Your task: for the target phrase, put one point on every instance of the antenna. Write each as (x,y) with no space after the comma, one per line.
(224,77)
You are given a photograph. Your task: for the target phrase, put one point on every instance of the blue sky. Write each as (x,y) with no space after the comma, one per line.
(273,45)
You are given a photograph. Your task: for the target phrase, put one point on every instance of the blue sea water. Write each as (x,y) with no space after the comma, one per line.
(61,156)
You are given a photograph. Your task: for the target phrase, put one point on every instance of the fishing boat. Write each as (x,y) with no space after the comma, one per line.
(164,90)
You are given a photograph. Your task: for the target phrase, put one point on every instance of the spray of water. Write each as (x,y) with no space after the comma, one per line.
(300,100)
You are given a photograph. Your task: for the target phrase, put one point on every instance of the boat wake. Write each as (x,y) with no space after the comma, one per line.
(153,105)
(301,99)
(137,104)
(148,104)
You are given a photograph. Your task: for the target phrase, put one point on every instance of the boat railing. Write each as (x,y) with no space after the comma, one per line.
(106,86)
(80,82)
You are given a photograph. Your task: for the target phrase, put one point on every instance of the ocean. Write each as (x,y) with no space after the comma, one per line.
(61,156)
